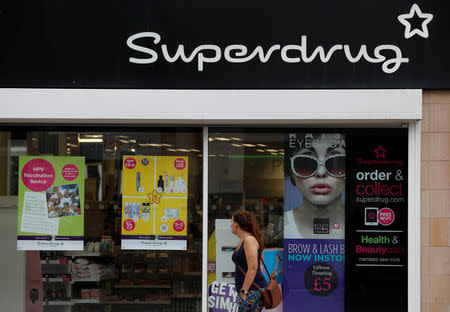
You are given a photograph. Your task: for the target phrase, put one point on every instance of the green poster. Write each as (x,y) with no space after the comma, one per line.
(51,203)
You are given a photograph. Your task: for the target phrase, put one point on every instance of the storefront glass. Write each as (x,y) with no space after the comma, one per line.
(246,172)
(104,276)
(332,206)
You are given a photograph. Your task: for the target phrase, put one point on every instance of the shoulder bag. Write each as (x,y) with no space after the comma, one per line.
(271,296)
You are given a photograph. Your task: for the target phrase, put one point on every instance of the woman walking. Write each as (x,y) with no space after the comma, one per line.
(247,257)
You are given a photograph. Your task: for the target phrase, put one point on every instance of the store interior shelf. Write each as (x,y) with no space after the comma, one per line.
(154,302)
(188,273)
(142,286)
(84,301)
(75,279)
(86,279)
(55,280)
(186,296)
(57,302)
(85,254)
(56,261)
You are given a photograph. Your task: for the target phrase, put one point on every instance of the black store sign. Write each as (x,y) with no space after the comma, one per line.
(377,219)
(225,44)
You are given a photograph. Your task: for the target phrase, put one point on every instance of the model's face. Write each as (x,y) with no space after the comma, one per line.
(327,183)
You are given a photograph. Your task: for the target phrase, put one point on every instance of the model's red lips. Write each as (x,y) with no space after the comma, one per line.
(321,188)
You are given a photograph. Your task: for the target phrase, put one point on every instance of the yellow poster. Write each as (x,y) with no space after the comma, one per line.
(154,202)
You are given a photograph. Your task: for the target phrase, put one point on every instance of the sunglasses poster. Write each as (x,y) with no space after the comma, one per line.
(51,203)
(314,221)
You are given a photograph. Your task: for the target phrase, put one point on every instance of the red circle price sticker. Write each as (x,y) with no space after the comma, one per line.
(180,163)
(130,163)
(178,225)
(129,225)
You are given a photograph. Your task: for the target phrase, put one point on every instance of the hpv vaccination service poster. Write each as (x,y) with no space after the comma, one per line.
(50,203)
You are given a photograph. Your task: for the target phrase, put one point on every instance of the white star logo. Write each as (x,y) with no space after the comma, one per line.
(427,17)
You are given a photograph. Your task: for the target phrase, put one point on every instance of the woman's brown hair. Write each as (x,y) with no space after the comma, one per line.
(248,222)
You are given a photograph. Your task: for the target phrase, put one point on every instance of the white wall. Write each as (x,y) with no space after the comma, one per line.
(12,264)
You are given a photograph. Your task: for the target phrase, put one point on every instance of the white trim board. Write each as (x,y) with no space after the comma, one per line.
(414,137)
(205,216)
(204,107)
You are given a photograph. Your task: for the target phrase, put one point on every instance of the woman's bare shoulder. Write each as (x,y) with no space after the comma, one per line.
(250,241)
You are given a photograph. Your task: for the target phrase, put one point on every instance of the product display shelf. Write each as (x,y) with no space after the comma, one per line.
(68,279)
(57,302)
(88,254)
(141,274)
(71,302)
(75,254)
(161,301)
(143,286)
(186,296)
(87,279)
(87,290)
(56,277)
(195,273)
(187,304)
(86,301)
(65,261)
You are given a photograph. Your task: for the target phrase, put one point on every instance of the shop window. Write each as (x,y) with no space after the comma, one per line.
(104,276)
(332,206)
(246,172)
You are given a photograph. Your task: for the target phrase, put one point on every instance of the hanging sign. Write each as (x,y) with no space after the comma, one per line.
(51,203)
(154,202)
(314,222)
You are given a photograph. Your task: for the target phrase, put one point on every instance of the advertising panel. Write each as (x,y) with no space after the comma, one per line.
(50,203)
(377,202)
(222,297)
(154,202)
(314,228)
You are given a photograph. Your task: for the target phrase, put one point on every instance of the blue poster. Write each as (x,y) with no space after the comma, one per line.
(314,222)
(273,259)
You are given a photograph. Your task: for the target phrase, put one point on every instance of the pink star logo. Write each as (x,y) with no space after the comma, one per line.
(381,152)
(371,215)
